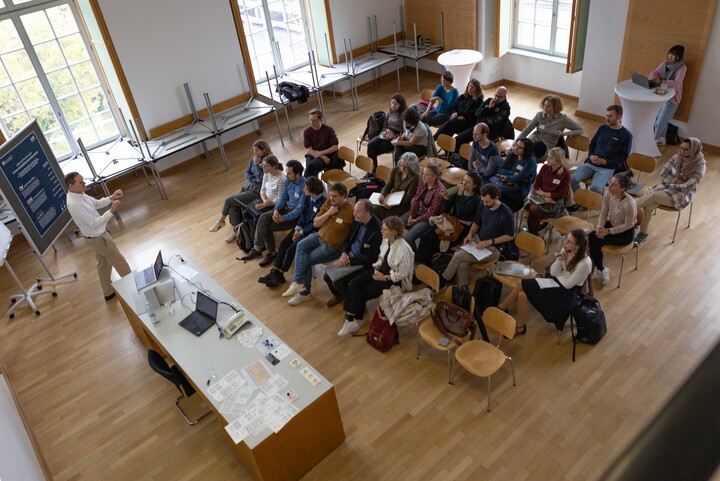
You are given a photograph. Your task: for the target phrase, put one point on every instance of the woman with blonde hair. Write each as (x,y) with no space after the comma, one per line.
(551,186)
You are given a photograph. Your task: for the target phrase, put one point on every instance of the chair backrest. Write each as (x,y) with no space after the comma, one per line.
(530,243)
(428,277)
(499,321)
(446,143)
(347,154)
(447,296)
(364,162)
(519,123)
(580,143)
(588,199)
(383,172)
(641,163)
(172,374)
(426,94)
(442,163)
(465,150)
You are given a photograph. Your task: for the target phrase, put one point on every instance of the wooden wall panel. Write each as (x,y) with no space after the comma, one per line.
(653,26)
(460,22)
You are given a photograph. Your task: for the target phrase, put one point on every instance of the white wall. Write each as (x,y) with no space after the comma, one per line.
(544,74)
(349,20)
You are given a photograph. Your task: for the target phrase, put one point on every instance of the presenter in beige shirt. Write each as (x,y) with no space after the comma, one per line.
(93,227)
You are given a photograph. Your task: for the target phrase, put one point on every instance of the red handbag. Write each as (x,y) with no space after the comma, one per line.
(382,335)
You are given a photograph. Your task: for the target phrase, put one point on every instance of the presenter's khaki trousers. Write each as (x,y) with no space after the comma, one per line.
(108,256)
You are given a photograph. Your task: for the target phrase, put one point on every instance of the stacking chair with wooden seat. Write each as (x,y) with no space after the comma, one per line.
(432,335)
(442,163)
(481,358)
(519,124)
(626,249)
(529,243)
(677,222)
(592,201)
(383,173)
(446,143)
(431,279)
(641,163)
(579,143)
(465,151)
(331,176)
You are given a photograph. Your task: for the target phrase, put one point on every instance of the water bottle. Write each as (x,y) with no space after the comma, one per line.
(151,312)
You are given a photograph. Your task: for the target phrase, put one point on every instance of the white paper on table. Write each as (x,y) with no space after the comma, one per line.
(229,383)
(274,384)
(268,344)
(546,282)
(237,430)
(248,337)
(281,352)
(480,254)
(258,372)
(185,271)
(236,401)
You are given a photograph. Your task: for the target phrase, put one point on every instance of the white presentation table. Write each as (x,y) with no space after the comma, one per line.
(313,433)
(640,108)
(460,63)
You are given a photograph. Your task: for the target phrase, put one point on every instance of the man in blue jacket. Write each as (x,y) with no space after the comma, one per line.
(284,216)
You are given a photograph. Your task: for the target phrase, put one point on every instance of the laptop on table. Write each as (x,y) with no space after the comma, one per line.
(150,274)
(643,81)
(203,317)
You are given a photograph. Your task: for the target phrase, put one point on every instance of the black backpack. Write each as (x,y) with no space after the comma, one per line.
(487,294)
(293,92)
(589,318)
(375,125)
(365,189)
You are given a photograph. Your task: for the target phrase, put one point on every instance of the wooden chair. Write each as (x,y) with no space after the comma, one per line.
(641,163)
(383,172)
(519,124)
(465,150)
(592,201)
(529,243)
(481,358)
(331,176)
(428,278)
(446,143)
(431,335)
(442,163)
(426,94)
(624,250)
(677,222)
(364,163)
(579,143)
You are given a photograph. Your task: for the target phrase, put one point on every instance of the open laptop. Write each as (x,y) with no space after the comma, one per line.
(150,274)
(642,81)
(203,317)
(511,269)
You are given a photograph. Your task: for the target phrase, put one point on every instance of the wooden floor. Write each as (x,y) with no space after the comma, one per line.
(100,413)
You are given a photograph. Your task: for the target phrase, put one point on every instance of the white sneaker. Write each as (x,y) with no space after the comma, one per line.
(231,236)
(299,299)
(217,226)
(605,276)
(349,327)
(661,141)
(294,288)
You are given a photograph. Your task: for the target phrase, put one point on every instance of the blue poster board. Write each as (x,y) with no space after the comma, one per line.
(33,184)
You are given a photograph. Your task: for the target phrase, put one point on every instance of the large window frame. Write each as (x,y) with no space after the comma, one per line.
(96,90)
(533,27)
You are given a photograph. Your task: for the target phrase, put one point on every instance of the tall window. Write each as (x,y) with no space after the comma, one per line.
(276,35)
(543,26)
(46,73)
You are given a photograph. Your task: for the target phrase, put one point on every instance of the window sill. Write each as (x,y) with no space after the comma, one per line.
(539,56)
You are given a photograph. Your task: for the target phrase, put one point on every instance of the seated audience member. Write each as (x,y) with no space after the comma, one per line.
(358,253)
(493,228)
(273,184)
(404,177)
(493,112)
(392,127)
(679,179)
(445,96)
(484,154)
(515,176)
(550,126)
(234,204)
(616,223)
(322,146)
(553,185)
(608,152)
(284,216)
(394,266)
(414,138)
(461,202)
(333,222)
(426,203)
(570,269)
(311,203)
(463,112)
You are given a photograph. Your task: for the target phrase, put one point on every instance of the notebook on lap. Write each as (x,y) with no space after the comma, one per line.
(150,274)
(203,317)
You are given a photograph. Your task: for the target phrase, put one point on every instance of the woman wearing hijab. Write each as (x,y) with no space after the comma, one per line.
(671,72)
(678,183)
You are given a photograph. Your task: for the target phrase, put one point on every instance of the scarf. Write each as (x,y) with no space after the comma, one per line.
(670,70)
(689,165)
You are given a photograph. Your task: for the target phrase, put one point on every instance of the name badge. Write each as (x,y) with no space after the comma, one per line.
(366,246)
(338,220)
(541,127)
(556,181)
(518,167)
(314,209)
(297,195)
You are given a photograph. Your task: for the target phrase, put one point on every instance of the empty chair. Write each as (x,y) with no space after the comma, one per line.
(481,358)
(519,124)
(331,176)
(592,201)
(364,163)
(641,163)
(526,242)
(446,143)
(173,374)
(430,279)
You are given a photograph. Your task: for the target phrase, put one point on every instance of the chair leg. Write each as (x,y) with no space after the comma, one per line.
(184,416)
(637,255)
(417,327)
(488,394)
(452,371)
(451,365)
(677,222)
(512,368)
(622,265)
(559,335)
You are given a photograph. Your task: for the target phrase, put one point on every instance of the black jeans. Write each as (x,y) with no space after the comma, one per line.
(621,239)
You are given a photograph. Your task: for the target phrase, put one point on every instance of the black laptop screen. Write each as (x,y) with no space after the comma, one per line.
(206,305)
(158,264)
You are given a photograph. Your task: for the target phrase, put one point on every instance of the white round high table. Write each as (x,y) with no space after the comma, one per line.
(461,63)
(640,108)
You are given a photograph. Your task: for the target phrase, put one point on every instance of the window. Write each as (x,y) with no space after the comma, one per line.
(47,74)
(543,26)
(275,34)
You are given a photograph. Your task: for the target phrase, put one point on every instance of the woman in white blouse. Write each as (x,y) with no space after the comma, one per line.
(569,271)
(273,184)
